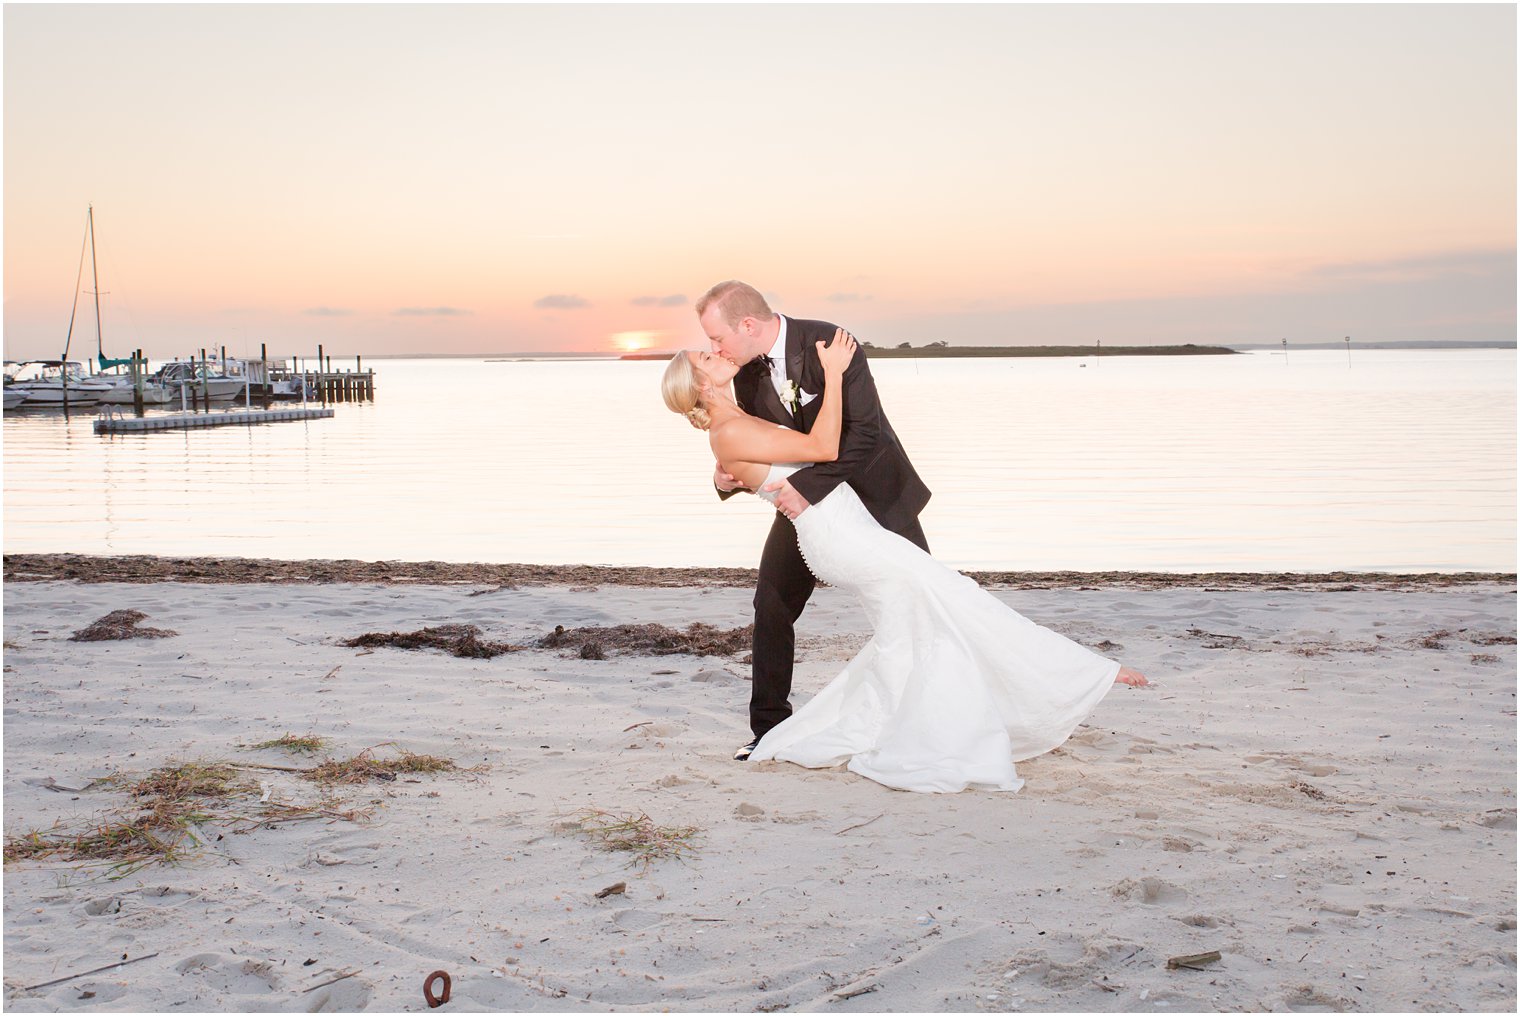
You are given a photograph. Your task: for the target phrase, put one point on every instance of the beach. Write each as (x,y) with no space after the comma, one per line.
(1319,786)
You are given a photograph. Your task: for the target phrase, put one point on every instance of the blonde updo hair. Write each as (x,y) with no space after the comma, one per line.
(682,389)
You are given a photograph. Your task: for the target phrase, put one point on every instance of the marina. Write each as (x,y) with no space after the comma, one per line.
(183,384)
(195,383)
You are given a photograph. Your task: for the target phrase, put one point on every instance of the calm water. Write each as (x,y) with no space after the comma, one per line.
(1402,461)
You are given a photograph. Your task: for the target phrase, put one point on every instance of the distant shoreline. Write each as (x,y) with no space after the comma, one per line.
(954,352)
(243,570)
(925,352)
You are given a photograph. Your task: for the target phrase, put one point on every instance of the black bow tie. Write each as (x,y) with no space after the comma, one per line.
(763,363)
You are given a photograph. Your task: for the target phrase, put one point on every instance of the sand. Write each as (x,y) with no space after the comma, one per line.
(1320,786)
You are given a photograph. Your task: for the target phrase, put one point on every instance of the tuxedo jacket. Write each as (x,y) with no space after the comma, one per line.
(870,459)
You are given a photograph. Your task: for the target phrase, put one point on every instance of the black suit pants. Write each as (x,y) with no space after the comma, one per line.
(782,592)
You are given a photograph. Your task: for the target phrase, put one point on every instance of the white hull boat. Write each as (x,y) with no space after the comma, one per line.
(153,395)
(51,393)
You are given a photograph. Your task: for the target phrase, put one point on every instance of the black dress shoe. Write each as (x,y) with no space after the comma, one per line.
(743,754)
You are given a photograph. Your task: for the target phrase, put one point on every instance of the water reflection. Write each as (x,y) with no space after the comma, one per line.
(1405,461)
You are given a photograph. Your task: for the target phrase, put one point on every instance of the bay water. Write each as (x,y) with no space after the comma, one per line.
(1315,461)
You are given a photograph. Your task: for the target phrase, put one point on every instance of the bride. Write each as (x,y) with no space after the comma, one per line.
(954,686)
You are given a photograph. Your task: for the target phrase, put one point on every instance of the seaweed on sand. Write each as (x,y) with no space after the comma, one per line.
(650,640)
(120,624)
(456,639)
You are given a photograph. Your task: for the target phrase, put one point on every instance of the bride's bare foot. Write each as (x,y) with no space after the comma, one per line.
(1131,677)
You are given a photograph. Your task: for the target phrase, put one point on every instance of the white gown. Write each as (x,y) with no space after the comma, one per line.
(954,685)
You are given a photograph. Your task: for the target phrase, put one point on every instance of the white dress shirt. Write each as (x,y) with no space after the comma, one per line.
(778,360)
(778,367)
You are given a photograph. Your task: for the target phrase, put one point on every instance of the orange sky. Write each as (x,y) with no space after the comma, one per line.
(486,178)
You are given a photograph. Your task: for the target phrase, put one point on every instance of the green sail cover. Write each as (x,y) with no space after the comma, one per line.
(106,363)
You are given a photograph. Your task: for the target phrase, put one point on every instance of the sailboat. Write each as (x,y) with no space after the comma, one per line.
(64,382)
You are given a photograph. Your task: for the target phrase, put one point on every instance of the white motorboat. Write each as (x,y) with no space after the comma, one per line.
(14,397)
(217,386)
(121,393)
(52,382)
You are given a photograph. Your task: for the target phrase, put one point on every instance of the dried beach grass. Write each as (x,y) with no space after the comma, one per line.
(179,782)
(125,843)
(364,767)
(302,744)
(170,802)
(274,813)
(120,624)
(636,834)
(165,806)
(456,639)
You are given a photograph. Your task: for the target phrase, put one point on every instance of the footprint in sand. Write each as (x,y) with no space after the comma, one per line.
(101,907)
(797,819)
(230,974)
(714,677)
(637,920)
(72,995)
(1066,964)
(348,995)
(1149,890)
(662,730)
(1306,998)
(1497,818)
(1294,762)
(1199,921)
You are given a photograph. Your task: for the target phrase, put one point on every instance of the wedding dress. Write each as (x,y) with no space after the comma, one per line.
(954,685)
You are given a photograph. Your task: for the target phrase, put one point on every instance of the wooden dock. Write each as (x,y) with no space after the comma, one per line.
(111,424)
(341,386)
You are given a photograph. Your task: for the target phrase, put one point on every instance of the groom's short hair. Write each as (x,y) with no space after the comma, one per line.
(736,301)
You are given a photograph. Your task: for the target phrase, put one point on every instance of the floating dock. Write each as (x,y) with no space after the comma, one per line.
(188,421)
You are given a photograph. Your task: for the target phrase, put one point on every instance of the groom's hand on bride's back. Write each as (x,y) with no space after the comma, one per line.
(788,501)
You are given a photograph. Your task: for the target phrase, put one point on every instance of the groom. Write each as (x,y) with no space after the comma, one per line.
(780,381)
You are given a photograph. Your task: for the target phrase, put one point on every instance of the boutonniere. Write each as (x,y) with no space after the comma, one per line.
(792,397)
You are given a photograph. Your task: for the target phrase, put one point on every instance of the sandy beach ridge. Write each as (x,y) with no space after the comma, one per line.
(150,568)
(1320,788)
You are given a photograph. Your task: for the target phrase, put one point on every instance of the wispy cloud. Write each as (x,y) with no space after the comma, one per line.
(674,300)
(847,297)
(431,312)
(561,301)
(327,312)
(1425,266)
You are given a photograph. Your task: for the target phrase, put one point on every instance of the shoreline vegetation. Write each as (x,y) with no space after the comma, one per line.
(941,350)
(237,570)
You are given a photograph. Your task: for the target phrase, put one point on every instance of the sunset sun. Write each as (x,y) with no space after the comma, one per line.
(632,342)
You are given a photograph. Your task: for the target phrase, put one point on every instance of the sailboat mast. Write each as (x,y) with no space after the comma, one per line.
(100,349)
